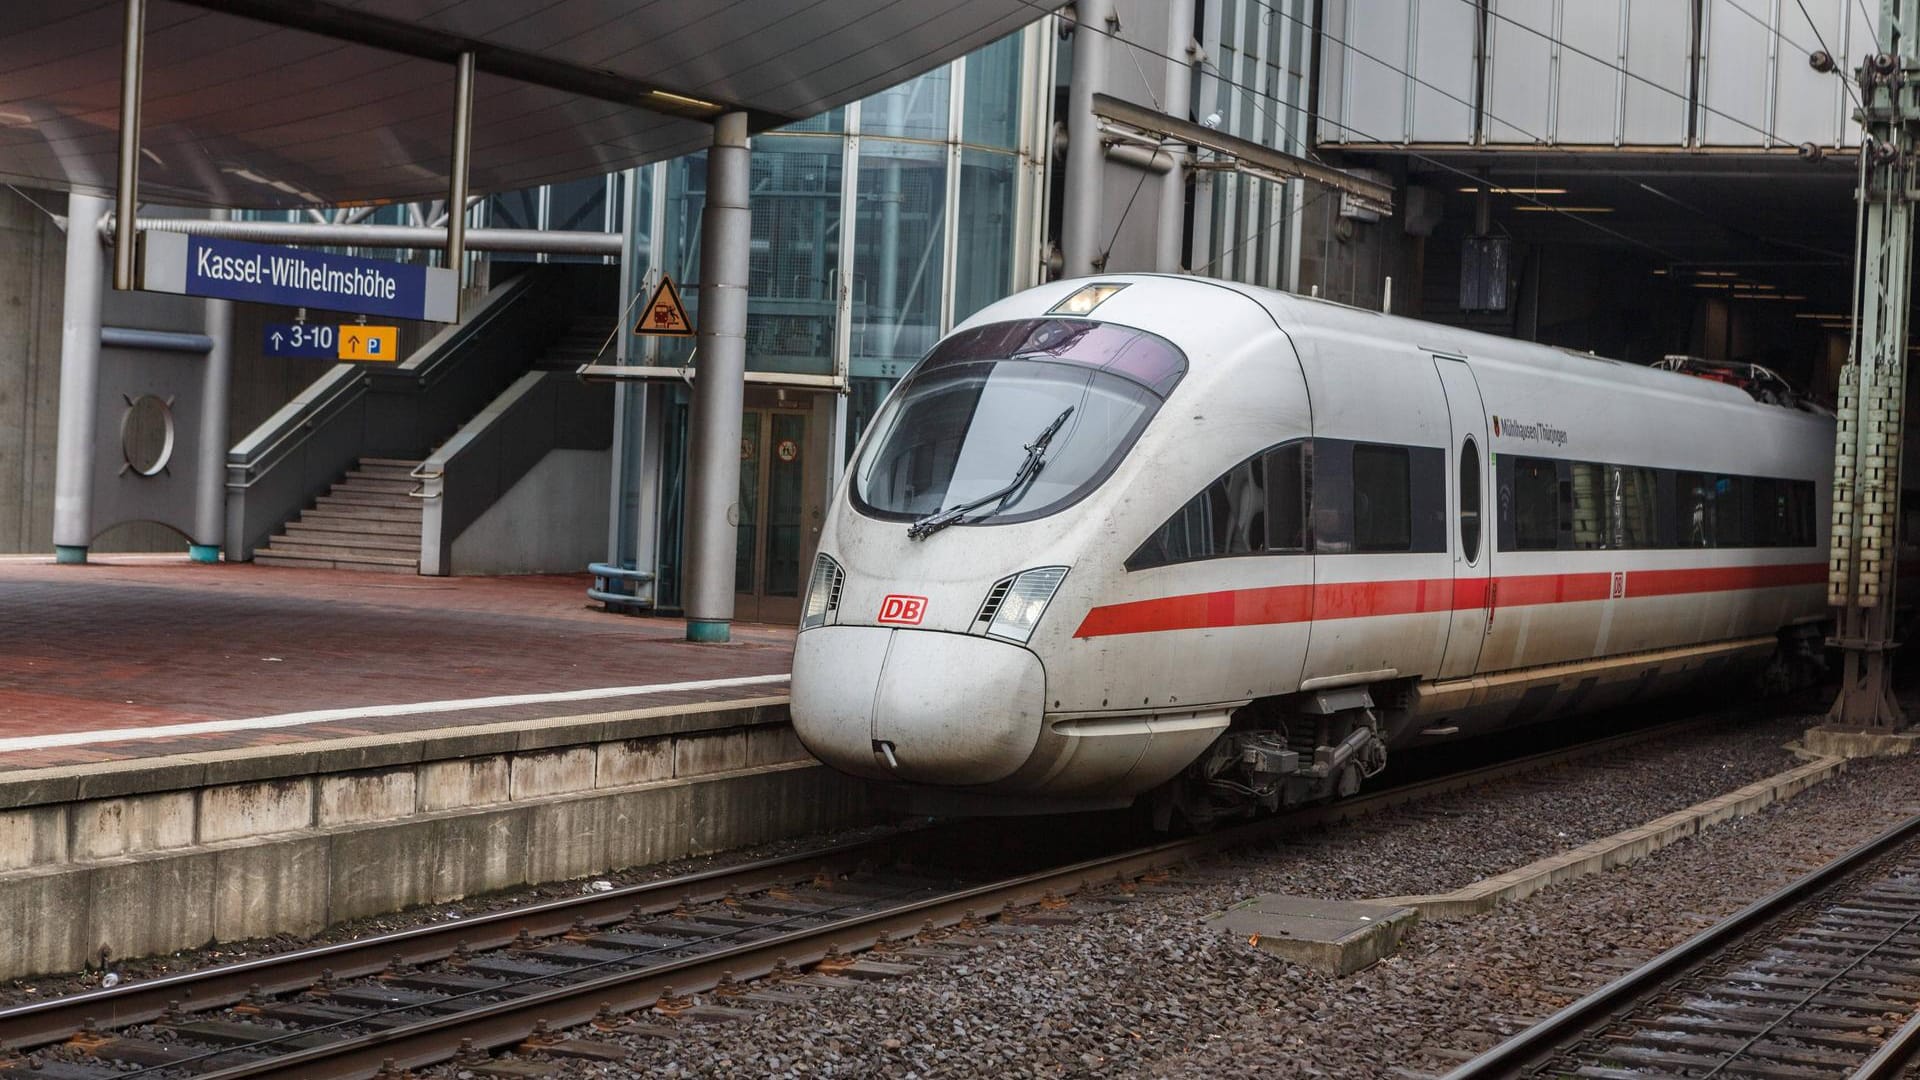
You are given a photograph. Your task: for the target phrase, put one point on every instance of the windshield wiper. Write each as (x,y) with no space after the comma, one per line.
(1023,479)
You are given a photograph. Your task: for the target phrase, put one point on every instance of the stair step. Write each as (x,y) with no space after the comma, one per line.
(269,557)
(376,484)
(314,521)
(345,545)
(396,462)
(356,512)
(380,472)
(337,497)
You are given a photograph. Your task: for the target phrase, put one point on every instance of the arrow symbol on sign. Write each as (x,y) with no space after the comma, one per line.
(353,342)
(276,339)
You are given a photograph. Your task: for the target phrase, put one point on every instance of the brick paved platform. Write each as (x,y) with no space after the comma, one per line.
(250,656)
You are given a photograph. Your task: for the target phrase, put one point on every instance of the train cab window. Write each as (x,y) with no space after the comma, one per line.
(959,425)
(1228,518)
(1382,499)
(1470,500)
(1536,505)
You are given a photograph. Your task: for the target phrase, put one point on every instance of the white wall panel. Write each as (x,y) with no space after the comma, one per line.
(1757,88)
(1659,38)
(1591,72)
(1443,66)
(1586,97)
(1371,40)
(1522,64)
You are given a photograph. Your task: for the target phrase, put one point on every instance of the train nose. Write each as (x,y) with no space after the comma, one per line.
(916,705)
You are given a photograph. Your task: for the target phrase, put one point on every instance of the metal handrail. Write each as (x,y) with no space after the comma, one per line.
(424,474)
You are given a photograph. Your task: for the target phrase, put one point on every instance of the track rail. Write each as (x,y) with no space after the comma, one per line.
(628,984)
(1638,1010)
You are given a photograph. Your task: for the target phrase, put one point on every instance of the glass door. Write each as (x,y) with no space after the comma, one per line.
(780,500)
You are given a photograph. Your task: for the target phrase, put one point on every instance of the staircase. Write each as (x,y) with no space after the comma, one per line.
(366,521)
(580,343)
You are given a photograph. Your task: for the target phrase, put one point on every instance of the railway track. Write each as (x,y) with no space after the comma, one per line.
(1809,983)
(421,996)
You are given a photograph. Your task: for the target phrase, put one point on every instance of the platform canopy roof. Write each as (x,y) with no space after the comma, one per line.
(276,103)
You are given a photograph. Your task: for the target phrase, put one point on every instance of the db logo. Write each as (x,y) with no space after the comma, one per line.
(905,610)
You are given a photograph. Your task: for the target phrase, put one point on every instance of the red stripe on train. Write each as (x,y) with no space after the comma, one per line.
(1280,604)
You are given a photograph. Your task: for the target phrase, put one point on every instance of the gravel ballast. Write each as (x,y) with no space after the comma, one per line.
(1147,987)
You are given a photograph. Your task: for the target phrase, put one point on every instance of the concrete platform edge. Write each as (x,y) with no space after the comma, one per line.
(31,787)
(180,854)
(1621,848)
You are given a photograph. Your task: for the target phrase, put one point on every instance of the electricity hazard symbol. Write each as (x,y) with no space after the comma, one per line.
(665,315)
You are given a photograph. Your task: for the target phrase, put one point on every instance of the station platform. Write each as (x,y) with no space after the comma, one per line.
(140,656)
(194,754)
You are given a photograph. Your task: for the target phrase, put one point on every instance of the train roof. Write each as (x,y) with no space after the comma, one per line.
(1292,310)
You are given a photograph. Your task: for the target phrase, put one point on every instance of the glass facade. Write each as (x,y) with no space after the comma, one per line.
(1246,229)
(856,267)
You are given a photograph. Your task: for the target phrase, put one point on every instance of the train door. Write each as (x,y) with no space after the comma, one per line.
(1470,538)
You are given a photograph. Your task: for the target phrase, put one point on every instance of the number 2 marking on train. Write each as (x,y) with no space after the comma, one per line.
(904,610)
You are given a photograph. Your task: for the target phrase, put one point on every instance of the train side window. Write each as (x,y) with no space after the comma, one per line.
(1382,499)
(1782,512)
(1730,512)
(1289,493)
(1586,505)
(1470,500)
(1536,504)
(1228,518)
(1806,529)
(1632,496)
(1698,508)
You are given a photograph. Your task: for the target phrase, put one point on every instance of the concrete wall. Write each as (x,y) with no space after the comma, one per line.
(553,521)
(1350,259)
(32,253)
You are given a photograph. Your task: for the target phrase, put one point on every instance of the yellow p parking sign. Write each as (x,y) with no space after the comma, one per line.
(376,343)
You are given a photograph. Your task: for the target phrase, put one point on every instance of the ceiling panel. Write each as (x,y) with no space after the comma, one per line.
(247,106)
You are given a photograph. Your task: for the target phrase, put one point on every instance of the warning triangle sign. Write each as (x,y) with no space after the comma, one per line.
(665,315)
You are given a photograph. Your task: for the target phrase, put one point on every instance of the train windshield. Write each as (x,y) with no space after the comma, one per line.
(959,428)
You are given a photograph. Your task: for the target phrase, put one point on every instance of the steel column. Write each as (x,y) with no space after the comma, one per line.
(457,168)
(132,67)
(1869,431)
(216,380)
(1080,240)
(79,379)
(713,488)
(1179,97)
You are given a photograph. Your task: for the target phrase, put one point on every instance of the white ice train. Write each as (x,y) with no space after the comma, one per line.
(1232,547)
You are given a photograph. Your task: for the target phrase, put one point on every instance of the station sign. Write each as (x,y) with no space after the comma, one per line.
(313,341)
(326,341)
(266,274)
(369,343)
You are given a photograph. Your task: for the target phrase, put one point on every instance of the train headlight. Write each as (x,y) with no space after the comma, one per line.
(1024,598)
(823,591)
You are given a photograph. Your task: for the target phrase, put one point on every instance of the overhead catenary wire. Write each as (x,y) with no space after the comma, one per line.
(1821,38)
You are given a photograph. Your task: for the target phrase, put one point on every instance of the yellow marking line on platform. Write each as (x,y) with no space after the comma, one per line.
(363,712)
